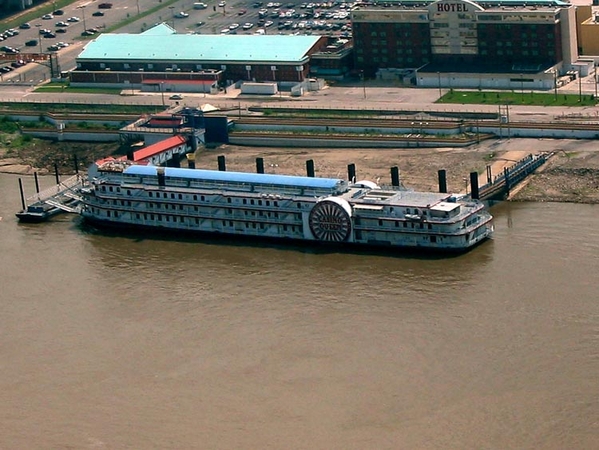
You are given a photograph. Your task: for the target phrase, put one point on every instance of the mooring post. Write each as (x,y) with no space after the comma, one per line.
(37,183)
(310,168)
(395,176)
(351,172)
(191,160)
(76,163)
(56,173)
(22,195)
(489,175)
(222,166)
(474,193)
(259,165)
(442,176)
(506,176)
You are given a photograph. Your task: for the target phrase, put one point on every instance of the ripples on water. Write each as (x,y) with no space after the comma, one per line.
(124,341)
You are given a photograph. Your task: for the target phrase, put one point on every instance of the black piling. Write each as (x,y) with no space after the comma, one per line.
(161,176)
(130,154)
(474,194)
(37,183)
(442,176)
(310,168)
(259,165)
(56,173)
(395,176)
(222,165)
(22,194)
(76,163)
(489,175)
(506,176)
(191,160)
(351,172)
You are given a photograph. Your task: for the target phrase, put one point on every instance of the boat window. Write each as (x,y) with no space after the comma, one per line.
(267,203)
(252,202)
(245,201)
(299,205)
(433,239)
(276,203)
(228,199)
(180,197)
(202,198)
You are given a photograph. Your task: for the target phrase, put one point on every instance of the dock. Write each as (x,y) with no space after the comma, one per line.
(63,197)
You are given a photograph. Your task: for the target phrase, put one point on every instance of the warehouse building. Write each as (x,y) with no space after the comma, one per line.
(162,60)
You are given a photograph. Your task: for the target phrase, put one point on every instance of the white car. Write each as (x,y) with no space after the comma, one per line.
(247,25)
(233,26)
(181,15)
(47,17)
(176,97)
(222,4)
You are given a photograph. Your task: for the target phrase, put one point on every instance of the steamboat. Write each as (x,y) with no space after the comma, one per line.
(271,206)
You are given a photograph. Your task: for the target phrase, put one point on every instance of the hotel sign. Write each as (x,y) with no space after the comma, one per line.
(452,7)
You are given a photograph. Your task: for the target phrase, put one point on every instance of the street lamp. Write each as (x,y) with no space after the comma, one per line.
(137,1)
(82,8)
(172,8)
(363,82)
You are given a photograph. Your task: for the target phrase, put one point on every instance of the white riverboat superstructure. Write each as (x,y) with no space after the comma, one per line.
(317,210)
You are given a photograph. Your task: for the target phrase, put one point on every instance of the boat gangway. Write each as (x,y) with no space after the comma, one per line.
(499,187)
(63,197)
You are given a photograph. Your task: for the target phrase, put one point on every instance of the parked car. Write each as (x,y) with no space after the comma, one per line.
(58,12)
(98,14)
(105,5)
(200,5)
(222,4)
(87,33)
(49,35)
(25,26)
(62,24)
(61,30)
(47,17)
(247,25)
(31,43)
(181,15)
(73,19)
(176,97)
(45,31)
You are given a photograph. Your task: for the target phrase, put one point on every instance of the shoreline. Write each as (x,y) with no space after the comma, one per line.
(571,175)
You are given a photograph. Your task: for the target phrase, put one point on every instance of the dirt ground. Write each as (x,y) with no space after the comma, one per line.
(571,175)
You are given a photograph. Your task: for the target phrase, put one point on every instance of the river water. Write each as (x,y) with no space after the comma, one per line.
(123,342)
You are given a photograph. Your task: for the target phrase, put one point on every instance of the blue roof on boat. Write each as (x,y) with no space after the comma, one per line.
(238,177)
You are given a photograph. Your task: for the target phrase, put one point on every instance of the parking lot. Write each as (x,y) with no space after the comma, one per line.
(294,17)
(60,29)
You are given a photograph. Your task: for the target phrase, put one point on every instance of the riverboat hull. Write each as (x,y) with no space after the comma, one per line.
(321,212)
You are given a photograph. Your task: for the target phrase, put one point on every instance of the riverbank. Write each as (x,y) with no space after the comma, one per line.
(572,175)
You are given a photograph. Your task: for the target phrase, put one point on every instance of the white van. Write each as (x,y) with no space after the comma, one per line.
(200,5)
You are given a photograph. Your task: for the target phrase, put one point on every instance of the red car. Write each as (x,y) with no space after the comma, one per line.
(105,5)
